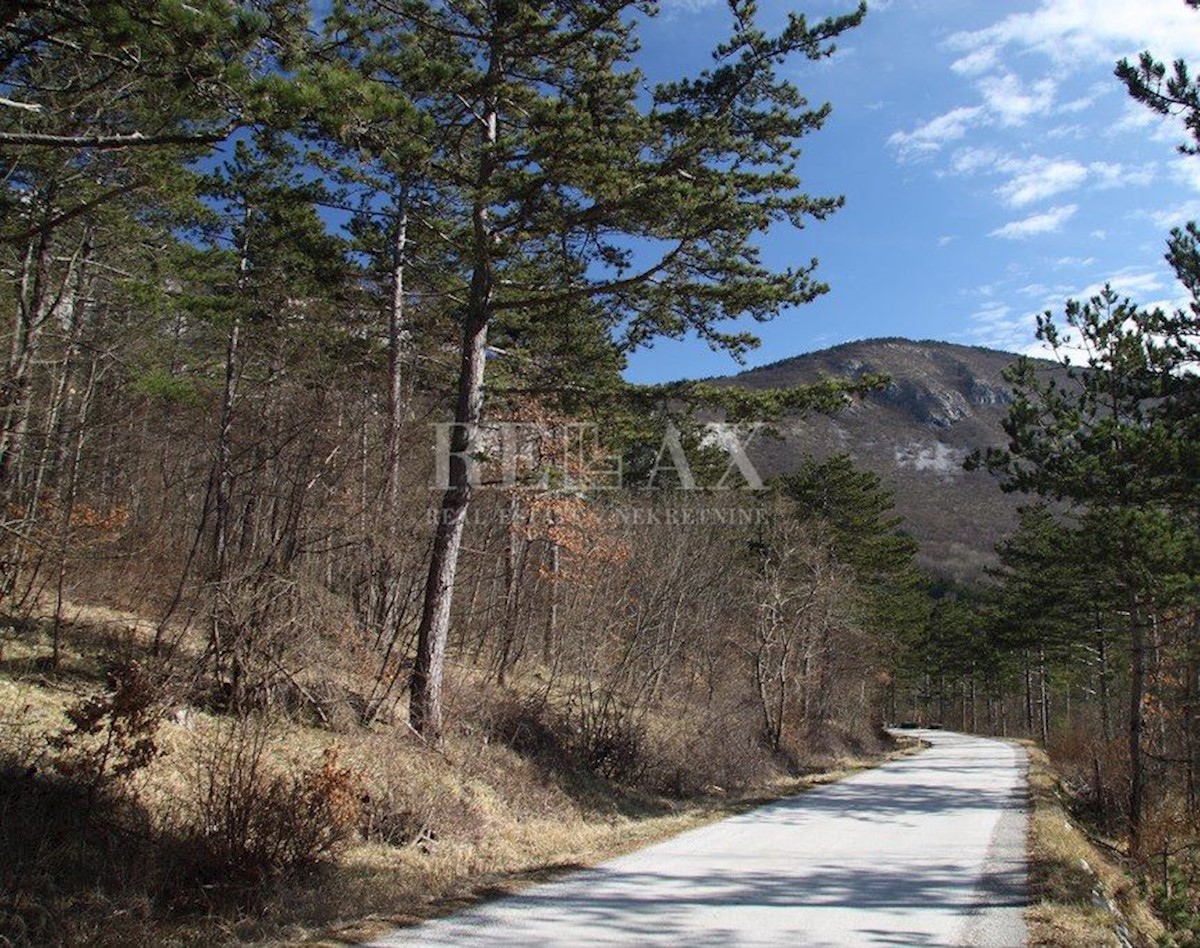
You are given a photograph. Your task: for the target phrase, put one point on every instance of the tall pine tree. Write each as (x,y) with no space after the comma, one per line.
(571,188)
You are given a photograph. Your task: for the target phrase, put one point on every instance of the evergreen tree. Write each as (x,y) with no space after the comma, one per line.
(571,189)
(868,537)
(1111,442)
(273,272)
(141,74)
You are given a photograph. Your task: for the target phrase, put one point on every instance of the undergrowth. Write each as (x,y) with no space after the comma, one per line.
(130,817)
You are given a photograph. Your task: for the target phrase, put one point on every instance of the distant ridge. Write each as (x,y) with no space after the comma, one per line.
(944,401)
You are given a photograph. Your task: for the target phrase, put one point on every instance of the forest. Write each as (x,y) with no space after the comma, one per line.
(335,542)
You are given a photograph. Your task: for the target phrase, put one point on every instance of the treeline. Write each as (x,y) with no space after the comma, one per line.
(1087,636)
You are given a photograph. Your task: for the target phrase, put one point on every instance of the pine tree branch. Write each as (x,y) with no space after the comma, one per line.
(74,212)
(26,106)
(111,142)
(594,289)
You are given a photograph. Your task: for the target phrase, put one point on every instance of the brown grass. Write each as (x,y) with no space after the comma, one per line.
(439,829)
(1081,893)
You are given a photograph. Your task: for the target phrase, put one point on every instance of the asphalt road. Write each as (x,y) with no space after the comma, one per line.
(926,850)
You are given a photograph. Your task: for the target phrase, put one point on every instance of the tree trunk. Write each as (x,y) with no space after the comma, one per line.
(31,313)
(514,573)
(1192,717)
(425,707)
(223,471)
(1104,675)
(1003,715)
(396,351)
(425,712)
(55,451)
(69,490)
(550,639)
(1137,689)
(1028,697)
(1043,699)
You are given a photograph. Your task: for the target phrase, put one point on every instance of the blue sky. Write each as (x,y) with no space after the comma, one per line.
(992,167)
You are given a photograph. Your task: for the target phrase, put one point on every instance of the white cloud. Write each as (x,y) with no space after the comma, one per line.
(978,61)
(1095,92)
(1004,324)
(944,240)
(1040,179)
(1077,132)
(1011,102)
(1081,104)
(970,160)
(1186,170)
(991,315)
(672,8)
(931,136)
(1149,125)
(1108,174)
(1135,117)
(1074,262)
(1036,349)
(1072,32)
(1135,283)
(1176,216)
(998,326)
(1047,222)
(1036,178)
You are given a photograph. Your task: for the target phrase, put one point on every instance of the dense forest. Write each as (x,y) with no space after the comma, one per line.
(314,335)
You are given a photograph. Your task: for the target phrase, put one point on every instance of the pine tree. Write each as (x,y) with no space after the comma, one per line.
(183,72)
(867,536)
(1111,442)
(557,169)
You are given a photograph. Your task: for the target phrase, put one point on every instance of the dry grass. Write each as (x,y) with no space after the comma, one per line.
(1082,896)
(440,829)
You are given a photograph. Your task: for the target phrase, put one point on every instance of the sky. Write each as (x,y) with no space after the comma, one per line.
(992,165)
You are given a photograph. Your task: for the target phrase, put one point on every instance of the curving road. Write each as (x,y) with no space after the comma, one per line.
(926,850)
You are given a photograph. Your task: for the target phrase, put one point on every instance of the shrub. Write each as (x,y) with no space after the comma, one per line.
(413,796)
(1095,776)
(252,822)
(609,735)
(112,735)
(707,751)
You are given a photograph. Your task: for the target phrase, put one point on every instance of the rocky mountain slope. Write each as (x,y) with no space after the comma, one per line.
(944,401)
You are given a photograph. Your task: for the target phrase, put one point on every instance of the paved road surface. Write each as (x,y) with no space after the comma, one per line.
(927,850)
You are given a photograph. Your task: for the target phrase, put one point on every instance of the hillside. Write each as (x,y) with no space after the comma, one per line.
(944,401)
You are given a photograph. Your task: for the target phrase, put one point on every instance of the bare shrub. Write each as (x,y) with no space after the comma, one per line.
(417,798)
(701,750)
(528,725)
(1095,776)
(608,733)
(111,735)
(252,821)
(398,814)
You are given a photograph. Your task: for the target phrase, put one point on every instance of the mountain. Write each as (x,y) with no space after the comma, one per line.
(943,402)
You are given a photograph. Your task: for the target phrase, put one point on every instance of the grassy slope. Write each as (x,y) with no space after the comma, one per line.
(1081,895)
(476,819)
